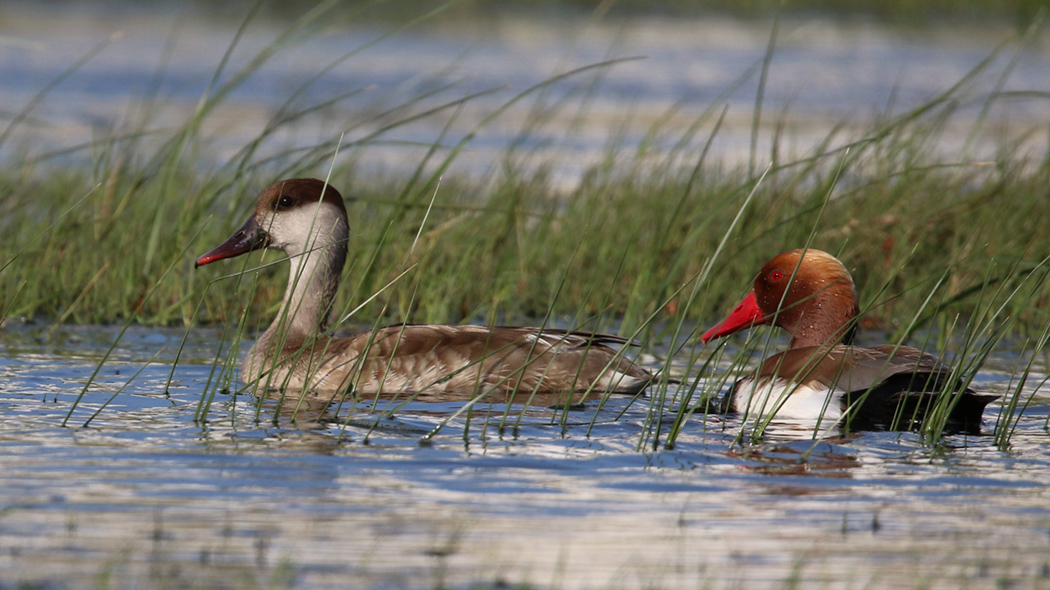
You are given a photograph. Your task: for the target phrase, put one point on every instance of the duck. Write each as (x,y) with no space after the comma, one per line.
(823,376)
(305,218)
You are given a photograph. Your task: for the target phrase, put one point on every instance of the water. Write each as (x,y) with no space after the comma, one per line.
(823,73)
(145,496)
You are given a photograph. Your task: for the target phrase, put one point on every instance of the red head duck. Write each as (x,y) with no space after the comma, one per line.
(811,295)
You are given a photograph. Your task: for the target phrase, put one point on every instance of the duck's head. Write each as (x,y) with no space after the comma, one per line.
(289,216)
(808,293)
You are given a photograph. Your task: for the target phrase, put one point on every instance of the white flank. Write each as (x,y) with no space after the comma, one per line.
(787,400)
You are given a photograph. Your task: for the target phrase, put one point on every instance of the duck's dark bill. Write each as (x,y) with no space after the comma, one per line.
(249,237)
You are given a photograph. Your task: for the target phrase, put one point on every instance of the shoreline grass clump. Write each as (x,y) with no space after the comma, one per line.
(631,233)
(499,257)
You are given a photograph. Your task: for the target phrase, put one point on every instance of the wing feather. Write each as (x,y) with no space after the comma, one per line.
(415,357)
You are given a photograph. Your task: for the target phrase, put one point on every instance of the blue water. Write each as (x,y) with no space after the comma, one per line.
(147,496)
(153,69)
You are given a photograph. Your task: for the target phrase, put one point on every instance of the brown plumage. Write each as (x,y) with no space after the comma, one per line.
(306,219)
(811,295)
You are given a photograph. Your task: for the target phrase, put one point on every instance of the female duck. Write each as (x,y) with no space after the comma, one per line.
(305,218)
(811,295)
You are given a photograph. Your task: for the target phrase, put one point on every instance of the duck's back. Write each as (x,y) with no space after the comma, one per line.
(466,360)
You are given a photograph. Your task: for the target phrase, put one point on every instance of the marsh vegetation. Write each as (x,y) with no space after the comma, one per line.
(938,208)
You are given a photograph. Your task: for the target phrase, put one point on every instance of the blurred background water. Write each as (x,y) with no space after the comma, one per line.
(154,66)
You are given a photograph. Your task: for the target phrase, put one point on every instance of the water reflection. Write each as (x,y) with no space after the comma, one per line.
(820,457)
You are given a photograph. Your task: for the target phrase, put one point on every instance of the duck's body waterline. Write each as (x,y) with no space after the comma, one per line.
(306,219)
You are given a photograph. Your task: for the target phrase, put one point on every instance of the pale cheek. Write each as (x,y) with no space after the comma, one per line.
(296,228)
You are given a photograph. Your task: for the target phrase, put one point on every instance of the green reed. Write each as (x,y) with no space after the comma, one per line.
(649,243)
(508,242)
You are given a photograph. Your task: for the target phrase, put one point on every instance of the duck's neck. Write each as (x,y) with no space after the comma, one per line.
(823,326)
(312,283)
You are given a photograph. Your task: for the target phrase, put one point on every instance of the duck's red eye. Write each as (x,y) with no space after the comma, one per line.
(775,276)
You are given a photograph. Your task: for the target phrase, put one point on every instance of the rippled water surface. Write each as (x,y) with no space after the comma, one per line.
(146,496)
(393,89)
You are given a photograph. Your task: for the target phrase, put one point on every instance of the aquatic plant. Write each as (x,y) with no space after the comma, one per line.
(649,243)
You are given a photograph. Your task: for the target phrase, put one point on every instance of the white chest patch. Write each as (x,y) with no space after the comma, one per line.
(787,400)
